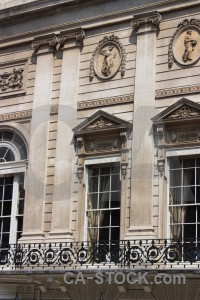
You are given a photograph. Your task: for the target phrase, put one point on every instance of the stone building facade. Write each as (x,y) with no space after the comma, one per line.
(99,149)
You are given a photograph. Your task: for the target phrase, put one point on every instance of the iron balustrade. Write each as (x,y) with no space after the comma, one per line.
(128,254)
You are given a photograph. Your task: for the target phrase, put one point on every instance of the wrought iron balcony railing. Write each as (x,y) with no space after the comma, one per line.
(124,254)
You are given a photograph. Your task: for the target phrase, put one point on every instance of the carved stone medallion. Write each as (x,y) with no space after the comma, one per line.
(185,44)
(108,58)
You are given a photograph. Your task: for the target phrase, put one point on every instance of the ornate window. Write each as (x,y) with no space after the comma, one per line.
(178,129)
(13,154)
(102,166)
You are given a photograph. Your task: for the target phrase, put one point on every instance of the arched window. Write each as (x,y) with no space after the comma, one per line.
(13,155)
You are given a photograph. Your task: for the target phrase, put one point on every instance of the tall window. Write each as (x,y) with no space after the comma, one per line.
(12,167)
(184,198)
(103,203)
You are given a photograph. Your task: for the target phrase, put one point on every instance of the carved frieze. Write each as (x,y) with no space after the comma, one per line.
(108,58)
(178,91)
(184,46)
(102,144)
(155,19)
(182,135)
(105,101)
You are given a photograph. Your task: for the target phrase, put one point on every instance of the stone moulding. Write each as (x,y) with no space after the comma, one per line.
(112,41)
(12,80)
(155,19)
(194,23)
(57,40)
(24,114)
(105,102)
(178,91)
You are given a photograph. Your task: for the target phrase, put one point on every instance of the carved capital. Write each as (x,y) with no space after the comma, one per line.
(138,21)
(51,41)
(79,36)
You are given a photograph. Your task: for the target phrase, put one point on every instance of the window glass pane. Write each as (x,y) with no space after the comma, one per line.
(3,151)
(9,156)
(104,218)
(1,192)
(198,161)
(7,208)
(93,184)
(115,168)
(1,180)
(115,183)
(175,178)
(20,223)
(5,239)
(175,196)
(198,214)
(104,170)
(176,215)
(104,200)
(7,136)
(104,183)
(188,195)
(103,234)
(188,177)
(92,201)
(92,234)
(8,192)
(115,199)
(93,218)
(175,163)
(21,207)
(115,217)
(115,234)
(176,232)
(198,176)
(188,163)
(189,231)
(189,214)
(93,171)
(9,180)
(6,224)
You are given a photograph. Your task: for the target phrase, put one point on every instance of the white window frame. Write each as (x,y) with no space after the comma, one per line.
(183,152)
(95,161)
(13,168)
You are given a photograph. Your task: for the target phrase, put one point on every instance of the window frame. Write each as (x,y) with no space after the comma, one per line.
(98,161)
(181,153)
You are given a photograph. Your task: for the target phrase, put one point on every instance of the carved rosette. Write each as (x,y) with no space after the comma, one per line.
(11,80)
(185,42)
(139,21)
(108,58)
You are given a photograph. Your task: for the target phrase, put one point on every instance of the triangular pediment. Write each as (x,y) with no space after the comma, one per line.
(101,121)
(183,109)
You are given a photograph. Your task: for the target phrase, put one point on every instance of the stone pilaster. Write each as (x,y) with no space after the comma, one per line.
(65,157)
(141,223)
(36,175)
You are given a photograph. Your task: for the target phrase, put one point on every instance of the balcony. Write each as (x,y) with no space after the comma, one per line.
(135,254)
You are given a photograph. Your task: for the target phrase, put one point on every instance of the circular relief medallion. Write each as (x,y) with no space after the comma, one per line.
(107,60)
(187,46)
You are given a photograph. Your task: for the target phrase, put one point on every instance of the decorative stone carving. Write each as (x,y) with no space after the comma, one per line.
(184,46)
(57,40)
(100,134)
(79,36)
(101,122)
(161,168)
(138,21)
(178,91)
(105,101)
(11,80)
(108,58)
(184,111)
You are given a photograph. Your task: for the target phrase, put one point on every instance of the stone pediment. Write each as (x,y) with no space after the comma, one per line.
(182,110)
(99,122)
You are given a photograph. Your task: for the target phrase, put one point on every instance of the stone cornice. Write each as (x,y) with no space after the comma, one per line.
(191,89)
(105,102)
(25,114)
(57,40)
(153,19)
